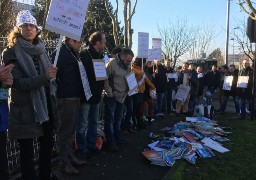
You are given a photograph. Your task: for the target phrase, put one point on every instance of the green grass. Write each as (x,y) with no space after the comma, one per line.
(239,163)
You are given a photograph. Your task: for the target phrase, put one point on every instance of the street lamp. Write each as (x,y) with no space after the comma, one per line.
(227,30)
(232,39)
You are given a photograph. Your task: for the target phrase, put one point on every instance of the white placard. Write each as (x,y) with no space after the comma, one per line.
(154,54)
(99,69)
(143,43)
(86,85)
(242,81)
(227,84)
(172,75)
(182,93)
(156,43)
(66,17)
(132,82)
(200,75)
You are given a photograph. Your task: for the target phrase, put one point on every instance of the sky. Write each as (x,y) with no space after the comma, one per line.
(153,13)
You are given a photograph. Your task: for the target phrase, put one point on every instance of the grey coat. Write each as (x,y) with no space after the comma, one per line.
(22,119)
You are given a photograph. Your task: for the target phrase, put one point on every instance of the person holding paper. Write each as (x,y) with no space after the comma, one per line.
(232,92)
(86,132)
(116,88)
(6,81)
(33,81)
(138,98)
(200,77)
(69,92)
(245,94)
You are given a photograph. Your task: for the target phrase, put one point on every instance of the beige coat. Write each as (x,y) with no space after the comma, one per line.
(116,85)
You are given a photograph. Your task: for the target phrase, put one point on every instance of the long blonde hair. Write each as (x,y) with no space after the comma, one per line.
(12,36)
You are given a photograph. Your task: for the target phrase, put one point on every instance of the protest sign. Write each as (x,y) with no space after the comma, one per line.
(227,83)
(182,93)
(132,82)
(66,17)
(172,75)
(156,43)
(99,69)
(242,81)
(143,43)
(154,54)
(85,82)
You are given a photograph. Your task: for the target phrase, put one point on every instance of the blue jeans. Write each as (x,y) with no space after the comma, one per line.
(208,95)
(192,103)
(86,132)
(159,98)
(129,111)
(224,104)
(242,101)
(167,101)
(113,119)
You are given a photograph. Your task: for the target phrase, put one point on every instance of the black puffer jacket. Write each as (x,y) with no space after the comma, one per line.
(96,87)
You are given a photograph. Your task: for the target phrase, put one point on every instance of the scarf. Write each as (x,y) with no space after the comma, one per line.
(24,52)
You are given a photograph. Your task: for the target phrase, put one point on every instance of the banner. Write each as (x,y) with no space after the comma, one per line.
(66,17)
(143,43)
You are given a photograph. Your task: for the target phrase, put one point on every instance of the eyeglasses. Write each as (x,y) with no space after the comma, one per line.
(32,26)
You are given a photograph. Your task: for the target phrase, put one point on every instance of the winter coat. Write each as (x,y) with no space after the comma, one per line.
(160,80)
(193,82)
(233,91)
(4,112)
(246,92)
(212,79)
(96,87)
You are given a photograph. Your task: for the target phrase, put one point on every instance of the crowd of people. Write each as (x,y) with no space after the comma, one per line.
(45,97)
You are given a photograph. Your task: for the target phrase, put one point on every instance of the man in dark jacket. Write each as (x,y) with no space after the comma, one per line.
(86,132)
(232,92)
(245,94)
(69,91)
(212,80)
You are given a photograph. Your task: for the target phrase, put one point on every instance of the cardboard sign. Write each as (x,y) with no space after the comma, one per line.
(143,43)
(156,43)
(182,93)
(242,81)
(132,82)
(85,82)
(66,17)
(99,69)
(228,80)
(154,54)
(172,75)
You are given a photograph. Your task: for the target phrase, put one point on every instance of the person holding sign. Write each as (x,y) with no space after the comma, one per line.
(116,88)
(69,92)
(30,115)
(138,98)
(89,109)
(245,93)
(233,75)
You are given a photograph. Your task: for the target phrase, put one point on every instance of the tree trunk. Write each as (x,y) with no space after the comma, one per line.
(125,23)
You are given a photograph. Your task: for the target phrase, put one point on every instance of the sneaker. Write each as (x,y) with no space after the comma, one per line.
(112,147)
(122,141)
(97,151)
(69,170)
(78,162)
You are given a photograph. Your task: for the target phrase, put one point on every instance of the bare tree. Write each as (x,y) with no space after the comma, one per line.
(128,13)
(7,17)
(248,7)
(203,40)
(177,38)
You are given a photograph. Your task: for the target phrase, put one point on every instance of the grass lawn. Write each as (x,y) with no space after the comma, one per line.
(239,163)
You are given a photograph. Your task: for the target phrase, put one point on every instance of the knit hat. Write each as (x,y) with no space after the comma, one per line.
(25,17)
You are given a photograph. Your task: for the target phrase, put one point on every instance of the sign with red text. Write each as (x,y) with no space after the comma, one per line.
(66,17)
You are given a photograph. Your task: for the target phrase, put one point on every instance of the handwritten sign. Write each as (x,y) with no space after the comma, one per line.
(86,85)
(143,43)
(172,75)
(227,83)
(132,82)
(154,54)
(99,69)
(156,43)
(242,81)
(182,93)
(66,17)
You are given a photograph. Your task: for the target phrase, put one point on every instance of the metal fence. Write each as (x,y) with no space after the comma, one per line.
(13,153)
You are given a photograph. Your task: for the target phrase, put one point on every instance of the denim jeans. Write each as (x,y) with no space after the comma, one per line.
(86,132)
(113,119)
(167,101)
(159,98)
(192,103)
(242,101)
(224,104)
(209,93)
(129,111)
